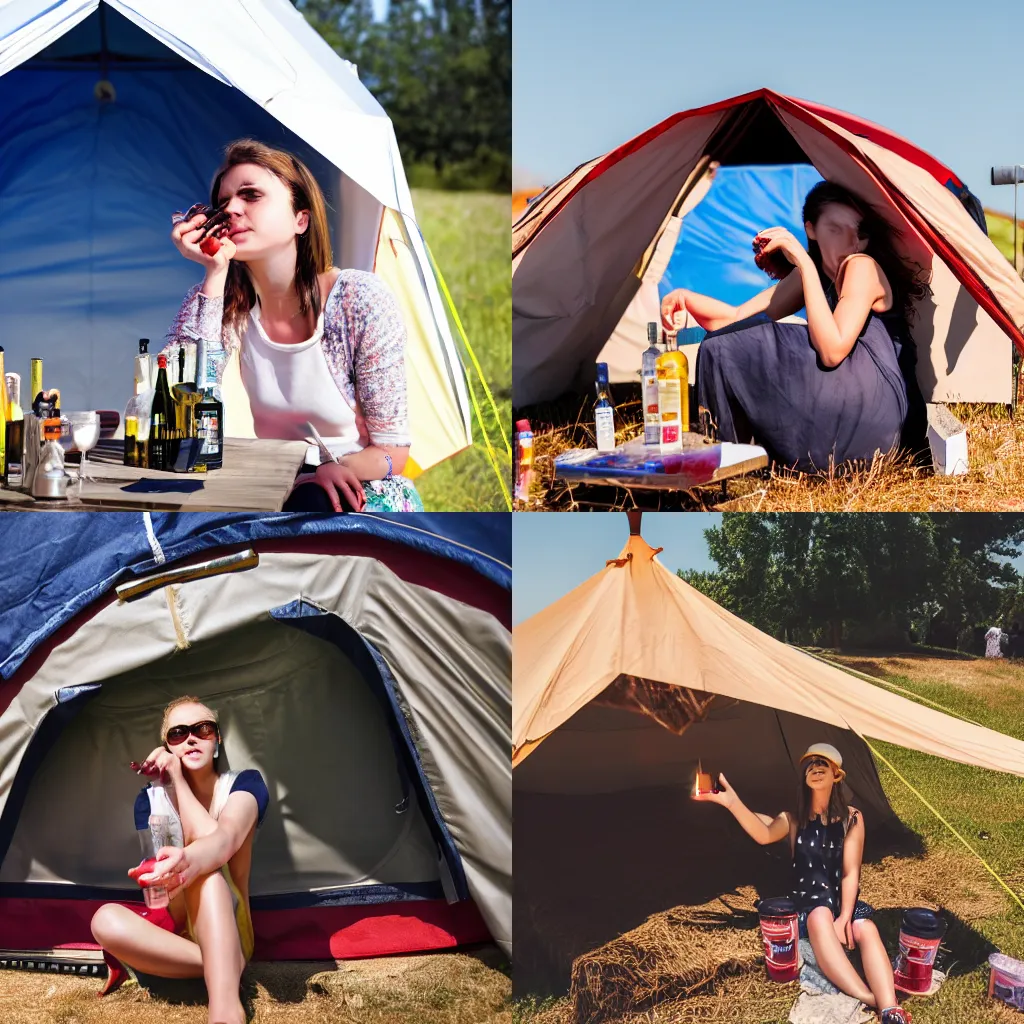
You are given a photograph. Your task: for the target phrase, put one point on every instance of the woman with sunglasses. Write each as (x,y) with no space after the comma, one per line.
(206,930)
(826,841)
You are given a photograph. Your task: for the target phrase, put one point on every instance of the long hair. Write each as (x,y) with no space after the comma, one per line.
(838,805)
(313,255)
(906,279)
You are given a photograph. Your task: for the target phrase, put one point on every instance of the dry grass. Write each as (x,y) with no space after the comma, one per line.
(995,482)
(684,966)
(443,988)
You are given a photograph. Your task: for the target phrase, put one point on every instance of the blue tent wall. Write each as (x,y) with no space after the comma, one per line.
(55,566)
(713,255)
(87,189)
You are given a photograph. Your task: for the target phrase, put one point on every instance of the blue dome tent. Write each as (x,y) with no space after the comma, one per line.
(361,663)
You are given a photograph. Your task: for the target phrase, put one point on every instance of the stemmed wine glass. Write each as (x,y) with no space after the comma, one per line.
(85,433)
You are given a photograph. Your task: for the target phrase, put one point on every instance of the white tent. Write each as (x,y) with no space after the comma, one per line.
(89,177)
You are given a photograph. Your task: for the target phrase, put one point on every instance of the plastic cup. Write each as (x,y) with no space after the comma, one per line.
(780,935)
(921,932)
(1006,980)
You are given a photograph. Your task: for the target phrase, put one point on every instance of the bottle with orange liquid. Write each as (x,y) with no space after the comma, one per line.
(673,395)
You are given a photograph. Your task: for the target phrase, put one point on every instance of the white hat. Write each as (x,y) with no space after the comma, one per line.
(825,750)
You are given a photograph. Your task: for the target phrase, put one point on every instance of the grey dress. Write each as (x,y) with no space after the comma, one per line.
(762,379)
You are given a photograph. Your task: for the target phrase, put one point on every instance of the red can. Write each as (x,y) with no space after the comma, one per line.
(921,932)
(780,935)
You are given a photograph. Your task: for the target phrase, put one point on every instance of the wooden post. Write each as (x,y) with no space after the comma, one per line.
(634,522)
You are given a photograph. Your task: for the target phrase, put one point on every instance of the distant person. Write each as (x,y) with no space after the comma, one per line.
(826,842)
(994,643)
(837,389)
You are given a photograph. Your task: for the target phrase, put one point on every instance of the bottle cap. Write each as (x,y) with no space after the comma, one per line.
(143,346)
(161,362)
(652,333)
(523,426)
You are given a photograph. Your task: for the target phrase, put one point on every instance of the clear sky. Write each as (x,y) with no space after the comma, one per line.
(552,552)
(590,74)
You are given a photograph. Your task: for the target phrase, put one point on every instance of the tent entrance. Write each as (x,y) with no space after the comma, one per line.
(351,819)
(752,135)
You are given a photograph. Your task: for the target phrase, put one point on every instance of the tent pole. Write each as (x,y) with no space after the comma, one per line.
(634,516)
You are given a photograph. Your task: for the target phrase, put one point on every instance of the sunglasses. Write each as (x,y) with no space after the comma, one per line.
(202,730)
(816,762)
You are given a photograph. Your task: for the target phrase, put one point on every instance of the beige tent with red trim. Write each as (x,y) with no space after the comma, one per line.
(581,250)
(619,690)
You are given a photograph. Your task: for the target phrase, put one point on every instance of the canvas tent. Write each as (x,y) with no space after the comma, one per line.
(619,689)
(362,666)
(115,114)
(582,249)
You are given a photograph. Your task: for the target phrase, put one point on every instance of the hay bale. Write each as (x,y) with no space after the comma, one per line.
(671,955)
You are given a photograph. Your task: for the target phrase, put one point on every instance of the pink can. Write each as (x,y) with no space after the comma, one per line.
(780,935)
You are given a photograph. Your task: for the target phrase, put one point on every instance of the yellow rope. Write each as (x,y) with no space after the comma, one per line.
(921,797)
(491,453)
(895,686)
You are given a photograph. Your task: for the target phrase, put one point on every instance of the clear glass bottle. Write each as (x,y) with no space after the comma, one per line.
(649,373)
(604,412)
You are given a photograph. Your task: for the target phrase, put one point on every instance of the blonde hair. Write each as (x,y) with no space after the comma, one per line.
(177,702)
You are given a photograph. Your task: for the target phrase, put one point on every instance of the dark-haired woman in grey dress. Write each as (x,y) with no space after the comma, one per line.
(840,388)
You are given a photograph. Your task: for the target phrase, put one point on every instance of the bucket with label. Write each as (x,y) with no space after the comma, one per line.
(1006,981)
(780,935)
(921,932)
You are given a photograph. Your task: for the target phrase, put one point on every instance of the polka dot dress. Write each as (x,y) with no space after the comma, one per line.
(818,866)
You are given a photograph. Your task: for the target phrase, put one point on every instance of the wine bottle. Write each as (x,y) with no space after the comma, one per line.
(35,382)
(5,416)
(161,419)
(649,372)
(604,413)
(673,395)
(209,413)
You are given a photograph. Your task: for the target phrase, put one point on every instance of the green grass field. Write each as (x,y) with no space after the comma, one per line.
(468,233)
(1000,230)
(985,807)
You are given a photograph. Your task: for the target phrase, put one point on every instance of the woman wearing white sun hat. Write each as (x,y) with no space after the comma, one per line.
(826,840)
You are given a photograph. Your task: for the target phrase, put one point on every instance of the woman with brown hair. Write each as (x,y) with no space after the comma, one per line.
(826,842)
(206,930)
(839,388)
(316,344)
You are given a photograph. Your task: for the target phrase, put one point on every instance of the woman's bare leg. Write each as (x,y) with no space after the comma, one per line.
(876,963)
(213,920)
(832,958)
(144,945)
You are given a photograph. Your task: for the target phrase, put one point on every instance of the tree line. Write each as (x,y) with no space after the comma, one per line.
(868,579)
(443,73)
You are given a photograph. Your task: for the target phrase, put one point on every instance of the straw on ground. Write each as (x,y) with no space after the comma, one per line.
(440,988)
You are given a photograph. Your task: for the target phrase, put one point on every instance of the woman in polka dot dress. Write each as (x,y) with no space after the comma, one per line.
(826,839)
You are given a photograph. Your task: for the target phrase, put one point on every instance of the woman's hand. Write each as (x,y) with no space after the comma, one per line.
(673,310)
(781,240)
(166,763)
(844,931)
(341,482)
(172,870)
(726,795)
(185,237)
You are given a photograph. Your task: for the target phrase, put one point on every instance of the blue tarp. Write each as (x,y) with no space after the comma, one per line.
(87,189)
(713,254)
(53,566)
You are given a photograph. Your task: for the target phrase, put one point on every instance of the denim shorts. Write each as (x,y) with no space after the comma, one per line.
(861,912)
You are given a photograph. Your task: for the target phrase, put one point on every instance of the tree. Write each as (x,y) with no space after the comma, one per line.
(863,579)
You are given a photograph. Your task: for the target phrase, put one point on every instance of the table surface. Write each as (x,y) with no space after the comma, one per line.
(699,463)
(257,475)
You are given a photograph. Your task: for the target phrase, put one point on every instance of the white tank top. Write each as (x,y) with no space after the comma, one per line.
(289,385)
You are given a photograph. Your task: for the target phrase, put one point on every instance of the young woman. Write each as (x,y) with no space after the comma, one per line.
(206,931)
(826,841)
(317,344)
(843,386)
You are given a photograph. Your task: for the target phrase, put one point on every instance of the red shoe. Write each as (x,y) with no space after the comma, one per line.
(117,975)
(895,1015)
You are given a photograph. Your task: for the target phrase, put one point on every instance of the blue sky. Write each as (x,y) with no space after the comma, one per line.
(552,552)
(589,74)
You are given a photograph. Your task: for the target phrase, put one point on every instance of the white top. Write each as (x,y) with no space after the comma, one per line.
(290,385)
